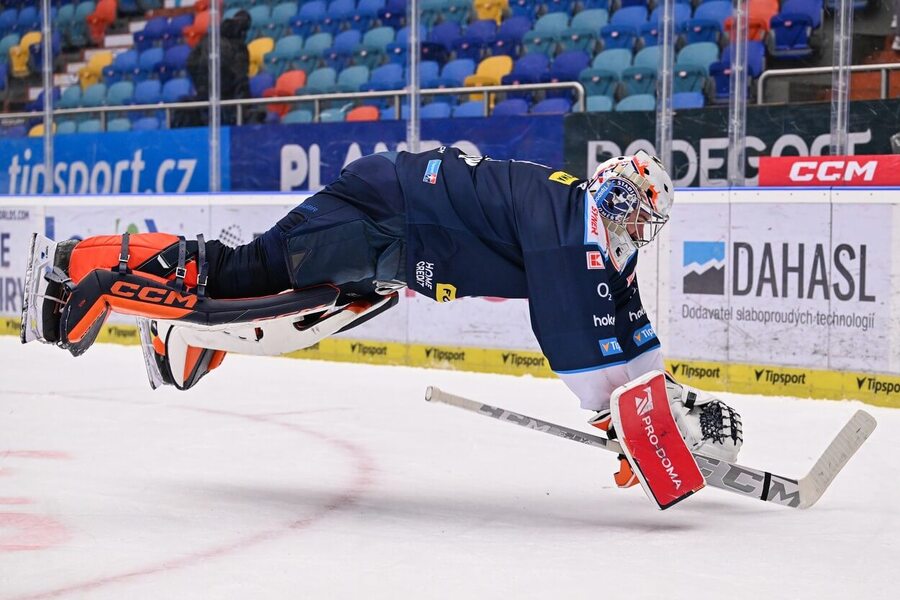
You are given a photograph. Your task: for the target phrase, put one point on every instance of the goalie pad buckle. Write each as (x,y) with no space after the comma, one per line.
(652,442)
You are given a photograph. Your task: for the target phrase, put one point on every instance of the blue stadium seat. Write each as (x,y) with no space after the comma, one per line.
(599,103)
(566,67)
(308,18)
(146,124)
(29,19)
(584,31)
(8,20)
(683,100)
(615,60)
(351,78)
(174,62)
(298,116)
(708,23)
(68,127)
(151,35)
(624,27)
(701,53)
(148,92)
(260,21)
(94,96)
(690,78)
(531,68)
(321,81)
(149,63)
(117,124)
(475,41)
(393,14)
(792,27)
(366,13)
(436,110)
(124,66)
(440,40)
(509,35)
(120,93)
(260,82)
(70,98)
(511,107)
(637,102)
(280,23)
(337,13)
(472,108)
(90,126)
(313,48)
(552,106)
(173,34)
(178,89)
(599,82)
(341,51)
(639,80)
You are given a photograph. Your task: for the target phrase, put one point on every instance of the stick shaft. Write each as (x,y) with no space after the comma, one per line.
(733,478)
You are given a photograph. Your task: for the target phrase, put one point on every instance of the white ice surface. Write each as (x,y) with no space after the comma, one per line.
(280,478)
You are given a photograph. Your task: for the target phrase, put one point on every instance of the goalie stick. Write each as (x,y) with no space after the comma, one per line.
(754,483)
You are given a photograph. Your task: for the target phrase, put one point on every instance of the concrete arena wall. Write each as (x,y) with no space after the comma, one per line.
(765,291)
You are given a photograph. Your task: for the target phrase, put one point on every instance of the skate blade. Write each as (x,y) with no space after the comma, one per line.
(153,374)
(40,260)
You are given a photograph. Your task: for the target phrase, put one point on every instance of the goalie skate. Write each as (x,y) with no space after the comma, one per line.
(45,289)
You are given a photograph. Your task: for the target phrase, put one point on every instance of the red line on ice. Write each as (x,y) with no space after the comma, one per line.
(53,454)
(363,478)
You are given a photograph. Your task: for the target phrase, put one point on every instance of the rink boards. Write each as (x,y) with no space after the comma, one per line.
(763,291)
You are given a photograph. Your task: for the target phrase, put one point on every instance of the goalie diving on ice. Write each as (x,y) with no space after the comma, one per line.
(445,224)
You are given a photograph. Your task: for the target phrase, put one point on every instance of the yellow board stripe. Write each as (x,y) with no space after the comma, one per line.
(766,380)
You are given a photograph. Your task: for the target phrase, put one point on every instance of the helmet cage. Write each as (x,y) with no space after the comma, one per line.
(626,200)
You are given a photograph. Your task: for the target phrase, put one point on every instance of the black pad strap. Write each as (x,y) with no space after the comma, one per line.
(122,269)
(181,270)
(202,266)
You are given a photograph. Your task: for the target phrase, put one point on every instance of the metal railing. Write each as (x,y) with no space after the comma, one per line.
(885,70)
(487,91)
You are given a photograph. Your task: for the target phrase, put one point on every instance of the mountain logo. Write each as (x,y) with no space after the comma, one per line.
(704,268)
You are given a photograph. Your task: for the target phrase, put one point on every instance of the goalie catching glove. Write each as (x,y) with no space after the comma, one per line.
(643,424)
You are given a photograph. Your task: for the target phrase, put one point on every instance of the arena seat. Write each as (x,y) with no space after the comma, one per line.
(67,127)
(178,89)
(601,103)
(298,116)
(615,60)
(120,93)
(174,62)
(365,14)
(90,126)
(546,33)
(566,67)
(351,78)
(194,32)
(280,23)
(682,13)
(260,20)
(374,46)
(149,63)
(490,9)
(510,33)
(289,83)
(77,31)
(789,37)
(552,106)
(624,27)
(8,41)
(94,96)
(472,108)
(124,66)
(70,98)
(393,14)
(690,78)
(286,54)
(8,18)
(363,113)
(258,49)
(148,92)
(119,124)
(510,107)
(338,13)
(637,102)
(584,31)
(173,34)
(528,69)
(701,53)
(458,10)
(440,41)
(146,124)
(490,71)
(708,23)
(260,82)
(476,39)
(307,19)
(436,110)
(342,49)
(332,115)
(98,21)
(152,33)
(20,54)
(639,80)
(313,48)
(683,100)
(599,82)
(28,19)
(321,81)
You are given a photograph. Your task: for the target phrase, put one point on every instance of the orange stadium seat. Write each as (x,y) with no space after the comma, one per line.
(194,33)
(103,16)
(363,113)
(286,85)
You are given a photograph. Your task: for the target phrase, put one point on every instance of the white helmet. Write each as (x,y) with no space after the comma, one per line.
(634,195)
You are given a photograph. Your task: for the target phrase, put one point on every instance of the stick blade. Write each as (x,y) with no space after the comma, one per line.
(836,455)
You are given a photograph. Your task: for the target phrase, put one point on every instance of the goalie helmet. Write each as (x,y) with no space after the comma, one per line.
(634,196)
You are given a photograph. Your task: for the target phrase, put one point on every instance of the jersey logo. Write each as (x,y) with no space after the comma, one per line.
(563,177)
(431,172)
(594,260)
(610,346)
(643,335)
(445,292)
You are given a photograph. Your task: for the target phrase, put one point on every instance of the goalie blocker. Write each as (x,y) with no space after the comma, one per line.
(652,442)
